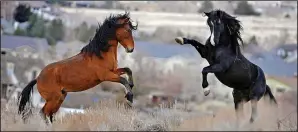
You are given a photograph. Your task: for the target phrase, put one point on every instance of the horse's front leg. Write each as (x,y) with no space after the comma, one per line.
(126,70)
(199,46)
(115,77)
(215,68)
(205,84)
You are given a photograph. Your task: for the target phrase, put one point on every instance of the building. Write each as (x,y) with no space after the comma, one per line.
(22,59)
(37,47)
(16,72)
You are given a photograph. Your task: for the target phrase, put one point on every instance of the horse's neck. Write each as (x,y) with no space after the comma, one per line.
(112,51)
(230,42)
(226,39)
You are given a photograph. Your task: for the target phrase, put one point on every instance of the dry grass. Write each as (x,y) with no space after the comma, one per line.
(106,116)
(111,116)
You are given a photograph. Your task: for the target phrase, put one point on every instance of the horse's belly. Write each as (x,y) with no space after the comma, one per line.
(78,79)
(234,80)
(81,86)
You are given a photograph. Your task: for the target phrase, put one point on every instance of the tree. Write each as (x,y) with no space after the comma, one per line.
(253,40)
(91,31)
(36,27)
(51,40)
(56,29)
(22,13)
(243,8)
(32,19)
(20,32)
(206,6)
(82,32)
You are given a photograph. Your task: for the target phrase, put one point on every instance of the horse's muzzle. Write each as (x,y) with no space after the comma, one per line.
(129,50)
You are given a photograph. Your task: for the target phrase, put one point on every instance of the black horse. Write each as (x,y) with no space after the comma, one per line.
(222,51)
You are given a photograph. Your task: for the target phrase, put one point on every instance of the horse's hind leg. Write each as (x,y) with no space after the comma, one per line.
(258,90)
(53,105)
(239,103)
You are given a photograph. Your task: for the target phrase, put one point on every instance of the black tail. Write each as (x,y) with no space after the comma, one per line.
(269,93)
(25,95)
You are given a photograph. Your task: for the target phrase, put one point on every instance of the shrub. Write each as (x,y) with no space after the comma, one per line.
(206,7)
(243,8)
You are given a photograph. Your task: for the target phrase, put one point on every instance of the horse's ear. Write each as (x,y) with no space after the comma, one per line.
(207,14)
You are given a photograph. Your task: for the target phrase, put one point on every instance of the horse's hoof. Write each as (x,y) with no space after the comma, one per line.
(131,85)
(206,91)
(205,84)
(179,40)
(129,97)
(251,120)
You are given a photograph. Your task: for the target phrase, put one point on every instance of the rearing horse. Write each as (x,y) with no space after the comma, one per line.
(230,67)
(97,62)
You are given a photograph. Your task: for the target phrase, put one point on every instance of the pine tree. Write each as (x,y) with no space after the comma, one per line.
(56,30)
(20,32)
(36,27)
(82,32)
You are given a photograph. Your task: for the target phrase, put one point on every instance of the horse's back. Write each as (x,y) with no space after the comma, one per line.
(50,73)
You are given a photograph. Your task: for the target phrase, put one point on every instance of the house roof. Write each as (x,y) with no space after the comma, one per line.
(12,42)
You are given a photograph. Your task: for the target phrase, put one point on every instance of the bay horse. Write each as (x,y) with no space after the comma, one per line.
(95,63)
(230,67)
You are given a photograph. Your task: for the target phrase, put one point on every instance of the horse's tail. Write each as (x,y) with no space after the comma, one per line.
(25,95)
(269,93)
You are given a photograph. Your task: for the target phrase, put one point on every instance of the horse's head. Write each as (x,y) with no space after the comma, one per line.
(114,29)
(124,32)
(221,23)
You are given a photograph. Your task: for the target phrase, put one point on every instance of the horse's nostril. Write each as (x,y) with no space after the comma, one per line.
(129,50)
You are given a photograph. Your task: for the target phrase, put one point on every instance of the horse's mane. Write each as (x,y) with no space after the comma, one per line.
(104,33)
(234,26)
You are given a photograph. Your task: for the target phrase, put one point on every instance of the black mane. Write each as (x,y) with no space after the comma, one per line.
(104,33)
(232,25)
